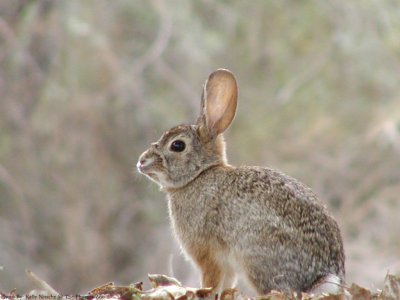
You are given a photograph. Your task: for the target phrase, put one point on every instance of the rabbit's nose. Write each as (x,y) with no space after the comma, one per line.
(143,163)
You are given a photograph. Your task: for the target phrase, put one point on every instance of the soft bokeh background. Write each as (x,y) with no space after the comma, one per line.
(85,86)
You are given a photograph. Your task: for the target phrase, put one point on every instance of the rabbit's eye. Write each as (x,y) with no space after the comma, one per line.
(177,146)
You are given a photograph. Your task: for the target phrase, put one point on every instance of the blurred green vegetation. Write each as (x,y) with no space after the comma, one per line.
(85,86)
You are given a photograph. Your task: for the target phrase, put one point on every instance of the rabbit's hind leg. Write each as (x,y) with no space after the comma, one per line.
(328,284)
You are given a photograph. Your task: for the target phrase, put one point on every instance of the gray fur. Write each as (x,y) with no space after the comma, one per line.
(248,220)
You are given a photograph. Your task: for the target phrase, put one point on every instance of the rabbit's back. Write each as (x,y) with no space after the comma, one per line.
(273,226)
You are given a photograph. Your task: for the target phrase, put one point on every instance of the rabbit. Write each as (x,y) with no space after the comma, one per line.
(251,221)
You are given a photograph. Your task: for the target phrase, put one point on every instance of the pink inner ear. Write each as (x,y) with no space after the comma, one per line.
(217,111)
(221,112)
(221,100)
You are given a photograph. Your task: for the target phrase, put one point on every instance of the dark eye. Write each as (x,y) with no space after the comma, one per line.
(177,146)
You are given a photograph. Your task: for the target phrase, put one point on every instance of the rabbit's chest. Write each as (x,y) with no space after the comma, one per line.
(195,215)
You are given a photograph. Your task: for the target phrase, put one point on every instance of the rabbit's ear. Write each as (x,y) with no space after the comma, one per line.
(219,101)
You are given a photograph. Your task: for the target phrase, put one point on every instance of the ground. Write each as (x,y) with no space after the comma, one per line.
(164,287)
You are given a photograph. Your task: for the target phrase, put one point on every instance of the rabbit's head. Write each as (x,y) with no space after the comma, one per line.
(184,151)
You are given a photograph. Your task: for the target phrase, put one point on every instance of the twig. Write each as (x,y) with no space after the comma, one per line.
(160,42)
(286,93)
(41,283)
(178,82)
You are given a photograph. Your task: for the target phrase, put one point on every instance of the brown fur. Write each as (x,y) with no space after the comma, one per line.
(248,220)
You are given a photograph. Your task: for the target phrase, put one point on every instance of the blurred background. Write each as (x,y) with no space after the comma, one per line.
(85,86)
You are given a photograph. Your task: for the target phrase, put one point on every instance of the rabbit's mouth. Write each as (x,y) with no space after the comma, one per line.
(145,164)
(157,177)
(149,173)
(146,169)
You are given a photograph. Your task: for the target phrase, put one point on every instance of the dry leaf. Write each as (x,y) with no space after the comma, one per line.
(157,280)
(273,295)
(359,293)
(102,289)
(228,294)
(392,288)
